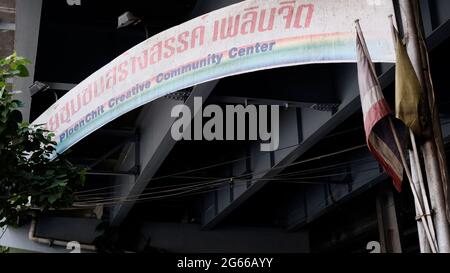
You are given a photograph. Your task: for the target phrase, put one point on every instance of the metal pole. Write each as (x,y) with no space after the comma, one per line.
(436,196)
(415,159)
(417,176)
(423,243)
(434,178)
(413,189)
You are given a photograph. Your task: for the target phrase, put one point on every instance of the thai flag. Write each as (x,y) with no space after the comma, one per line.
(376,111)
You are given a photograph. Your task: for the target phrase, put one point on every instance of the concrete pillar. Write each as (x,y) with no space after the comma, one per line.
(387,220)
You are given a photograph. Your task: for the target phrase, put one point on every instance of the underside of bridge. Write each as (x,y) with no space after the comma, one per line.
(321,191)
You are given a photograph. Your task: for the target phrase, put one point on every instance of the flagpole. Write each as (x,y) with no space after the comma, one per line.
(413,189)
(416,169)
(423,242)
(422,185)
(400,150)
(429,148)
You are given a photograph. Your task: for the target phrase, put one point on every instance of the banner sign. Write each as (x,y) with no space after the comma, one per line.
(244,37)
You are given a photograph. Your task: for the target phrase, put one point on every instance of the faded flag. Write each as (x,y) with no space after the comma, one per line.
(409,95)
(376,112)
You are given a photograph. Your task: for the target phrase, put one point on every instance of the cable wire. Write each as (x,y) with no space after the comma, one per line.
(238,177)
(259,172)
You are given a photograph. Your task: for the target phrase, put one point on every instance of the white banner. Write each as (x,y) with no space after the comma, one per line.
(248,36)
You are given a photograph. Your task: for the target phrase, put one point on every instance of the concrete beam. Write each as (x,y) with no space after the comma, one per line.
(220,204)
(155,138)
(309,126)
(189,238)
(302,214)
(155,145)
(312,202)
(315,201)
(262,101)
(440,11)
(28,18)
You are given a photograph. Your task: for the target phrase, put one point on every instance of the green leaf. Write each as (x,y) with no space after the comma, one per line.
(58,183)
(50,172)
(23,71)
(52,198)
(22,60)
(9,59)
(25,168)
(17,103)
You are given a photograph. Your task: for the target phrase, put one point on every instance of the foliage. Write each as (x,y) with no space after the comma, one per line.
(4,250)
(29,180)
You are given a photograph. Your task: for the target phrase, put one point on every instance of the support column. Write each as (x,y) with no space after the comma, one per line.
(387,220)
(28,18)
